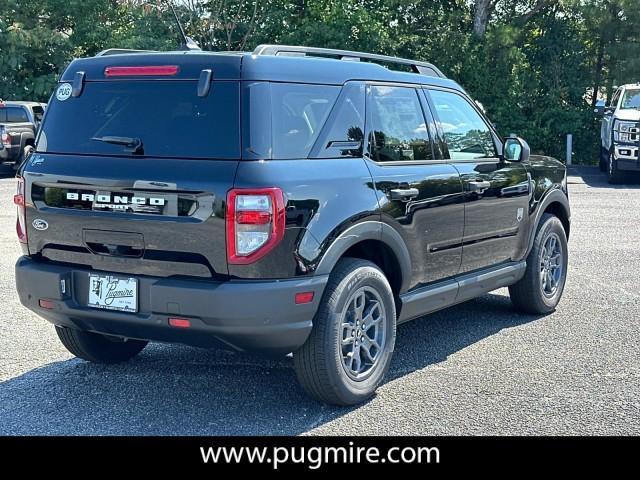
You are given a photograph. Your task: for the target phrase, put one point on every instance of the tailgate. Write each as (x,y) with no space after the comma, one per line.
(149,216)
(133,163)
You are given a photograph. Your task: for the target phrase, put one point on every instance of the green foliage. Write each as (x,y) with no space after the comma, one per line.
(535,69)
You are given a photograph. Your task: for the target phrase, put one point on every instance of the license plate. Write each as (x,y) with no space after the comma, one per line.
(113,293)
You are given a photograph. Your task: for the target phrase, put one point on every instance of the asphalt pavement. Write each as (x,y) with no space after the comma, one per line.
(477,368)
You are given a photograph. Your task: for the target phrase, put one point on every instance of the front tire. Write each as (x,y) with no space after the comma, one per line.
(604,156)
(98,348)
(350,347)
(613,174)
(540,290)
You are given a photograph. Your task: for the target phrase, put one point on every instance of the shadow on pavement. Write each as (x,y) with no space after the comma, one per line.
(593,177)
(176,390)
(7,172)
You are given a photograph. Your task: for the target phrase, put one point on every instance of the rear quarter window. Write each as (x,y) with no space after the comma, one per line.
(168,117)
(299,111)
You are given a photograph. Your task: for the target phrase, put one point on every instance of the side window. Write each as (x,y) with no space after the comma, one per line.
(343,135)
(398,128)
(466,133)
(3,114)
(299,112)
(16,115)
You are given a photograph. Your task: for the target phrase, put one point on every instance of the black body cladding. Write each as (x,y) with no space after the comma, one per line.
(368,164)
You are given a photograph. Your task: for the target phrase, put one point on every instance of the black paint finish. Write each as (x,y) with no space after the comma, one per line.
(440,222)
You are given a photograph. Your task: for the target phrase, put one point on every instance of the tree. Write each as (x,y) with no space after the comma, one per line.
(521,12)
(536,65)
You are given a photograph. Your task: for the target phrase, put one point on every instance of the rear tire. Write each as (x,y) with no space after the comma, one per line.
(345,359)
(540,290)
(98,348)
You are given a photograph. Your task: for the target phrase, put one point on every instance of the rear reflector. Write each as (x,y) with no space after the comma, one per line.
(304,297)
(159,70)
(48,304)
(179,322)
(21,221)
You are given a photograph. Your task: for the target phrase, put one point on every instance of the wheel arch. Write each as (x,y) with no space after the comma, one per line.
(559,210)
(376,242)
(557,204)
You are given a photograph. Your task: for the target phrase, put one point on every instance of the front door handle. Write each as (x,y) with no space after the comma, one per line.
(404,194)
(479,187)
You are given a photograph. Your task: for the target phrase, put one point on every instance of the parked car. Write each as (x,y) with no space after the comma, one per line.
(620,133)
(286,200)
(19,123)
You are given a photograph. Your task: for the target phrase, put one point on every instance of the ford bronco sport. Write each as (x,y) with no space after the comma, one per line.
(288,200)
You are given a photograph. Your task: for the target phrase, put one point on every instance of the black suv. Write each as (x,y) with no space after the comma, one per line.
(288,200)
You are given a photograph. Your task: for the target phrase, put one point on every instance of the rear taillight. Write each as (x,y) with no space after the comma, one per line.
(21,223)
(255,223)
(6,139)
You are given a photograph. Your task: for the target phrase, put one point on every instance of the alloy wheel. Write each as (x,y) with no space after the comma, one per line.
(364,325)
(551,265)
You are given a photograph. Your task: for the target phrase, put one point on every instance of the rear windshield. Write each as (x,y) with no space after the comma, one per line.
(168,117)
(13,115)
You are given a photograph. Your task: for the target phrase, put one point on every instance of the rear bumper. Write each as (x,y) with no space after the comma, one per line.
(244,315)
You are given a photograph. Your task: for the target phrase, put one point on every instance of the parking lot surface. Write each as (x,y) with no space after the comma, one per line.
(477,368)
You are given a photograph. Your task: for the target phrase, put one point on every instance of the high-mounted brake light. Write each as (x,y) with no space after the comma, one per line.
(21,222)
(255,223)
(142,71)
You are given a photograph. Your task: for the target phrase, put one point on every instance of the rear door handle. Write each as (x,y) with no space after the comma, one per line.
(479,187)
(404,194)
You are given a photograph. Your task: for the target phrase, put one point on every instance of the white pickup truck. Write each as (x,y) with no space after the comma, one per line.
(620,133)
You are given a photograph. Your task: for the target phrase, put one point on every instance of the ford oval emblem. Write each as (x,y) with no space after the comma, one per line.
(40,224)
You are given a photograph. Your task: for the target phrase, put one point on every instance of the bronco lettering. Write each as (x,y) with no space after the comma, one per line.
(89,197)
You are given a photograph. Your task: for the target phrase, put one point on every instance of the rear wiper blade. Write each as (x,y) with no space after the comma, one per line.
(134,145)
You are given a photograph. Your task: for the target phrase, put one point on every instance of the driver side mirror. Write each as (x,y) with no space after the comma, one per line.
(26,153)
(516,150)
(28,150)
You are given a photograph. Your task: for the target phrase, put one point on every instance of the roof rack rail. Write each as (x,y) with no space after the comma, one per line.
(423,68)
(120,51)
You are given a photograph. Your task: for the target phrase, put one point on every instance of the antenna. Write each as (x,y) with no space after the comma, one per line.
(189,43)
